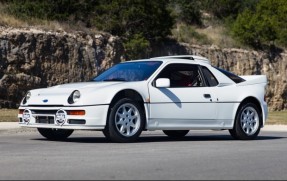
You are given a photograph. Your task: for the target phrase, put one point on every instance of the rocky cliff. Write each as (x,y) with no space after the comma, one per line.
(32,58)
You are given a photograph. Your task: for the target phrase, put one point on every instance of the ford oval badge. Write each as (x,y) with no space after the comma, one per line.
(45,100)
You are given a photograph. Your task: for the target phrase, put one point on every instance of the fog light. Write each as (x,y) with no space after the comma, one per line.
(61,117)
(26,116)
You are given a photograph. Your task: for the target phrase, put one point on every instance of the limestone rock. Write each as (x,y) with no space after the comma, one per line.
(32,58)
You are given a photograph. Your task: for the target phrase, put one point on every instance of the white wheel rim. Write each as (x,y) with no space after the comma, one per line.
(249,120)
(127,120)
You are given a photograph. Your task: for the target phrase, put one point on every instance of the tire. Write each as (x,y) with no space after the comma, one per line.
(125,121)
(176,133)
(55,134)
(247,123)
(106,134)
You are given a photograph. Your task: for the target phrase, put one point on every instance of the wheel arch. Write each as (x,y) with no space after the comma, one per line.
(132,94)
(253,100)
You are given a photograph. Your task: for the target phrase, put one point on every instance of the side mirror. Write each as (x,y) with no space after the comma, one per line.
(162,83)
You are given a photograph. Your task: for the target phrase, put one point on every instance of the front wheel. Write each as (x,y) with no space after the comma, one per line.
(176,133)
(125,121)
(55,134)
(247,123)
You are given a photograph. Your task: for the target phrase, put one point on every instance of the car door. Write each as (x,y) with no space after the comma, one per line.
(187,103)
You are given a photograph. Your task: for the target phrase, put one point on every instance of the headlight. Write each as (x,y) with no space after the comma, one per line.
(74,97)
(26,98)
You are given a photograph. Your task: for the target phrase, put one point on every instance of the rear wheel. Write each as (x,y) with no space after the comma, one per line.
(55,134)
(125,121)
(176,133)
(247,123)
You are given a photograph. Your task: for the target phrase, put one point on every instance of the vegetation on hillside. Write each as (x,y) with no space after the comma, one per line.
(264,25)
(259,24)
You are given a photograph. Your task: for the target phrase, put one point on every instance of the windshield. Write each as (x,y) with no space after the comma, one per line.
(129,71)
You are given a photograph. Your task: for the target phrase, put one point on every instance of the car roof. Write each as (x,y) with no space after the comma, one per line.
(181,58)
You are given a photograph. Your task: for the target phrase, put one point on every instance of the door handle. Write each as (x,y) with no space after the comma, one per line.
(207,96)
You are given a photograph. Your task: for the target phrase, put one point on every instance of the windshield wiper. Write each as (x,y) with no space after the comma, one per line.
(115,79)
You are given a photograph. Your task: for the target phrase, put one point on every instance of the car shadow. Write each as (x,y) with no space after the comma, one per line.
(171,96)
(155,138)
(201,138)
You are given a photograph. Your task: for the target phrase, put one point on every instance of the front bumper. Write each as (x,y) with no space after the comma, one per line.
(45,117)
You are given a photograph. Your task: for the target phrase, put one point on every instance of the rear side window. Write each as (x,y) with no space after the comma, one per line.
(209,77)
(230,75)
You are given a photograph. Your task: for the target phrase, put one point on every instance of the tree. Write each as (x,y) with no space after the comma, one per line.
(127,18)
(137,47)
(227,8)
(264,26)
(61,10)
(187,11)
(138,22)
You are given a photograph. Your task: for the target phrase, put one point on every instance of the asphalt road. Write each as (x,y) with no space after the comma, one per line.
(87,155)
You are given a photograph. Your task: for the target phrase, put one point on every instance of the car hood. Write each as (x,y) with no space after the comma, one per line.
(58,95)
(68,88)
(83,85)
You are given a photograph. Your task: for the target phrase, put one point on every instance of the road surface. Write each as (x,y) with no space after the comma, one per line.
(87,155)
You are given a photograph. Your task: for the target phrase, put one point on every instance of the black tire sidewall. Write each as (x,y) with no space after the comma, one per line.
(113,132)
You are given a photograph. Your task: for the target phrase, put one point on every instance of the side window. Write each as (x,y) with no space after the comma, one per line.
(182,75)
(210,79)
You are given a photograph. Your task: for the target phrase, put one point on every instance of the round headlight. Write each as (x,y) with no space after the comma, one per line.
(26,98)
(74,97)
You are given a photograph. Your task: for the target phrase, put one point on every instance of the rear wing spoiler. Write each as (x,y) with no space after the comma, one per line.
(254,79)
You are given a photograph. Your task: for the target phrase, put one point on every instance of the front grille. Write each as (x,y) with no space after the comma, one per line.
(45,119)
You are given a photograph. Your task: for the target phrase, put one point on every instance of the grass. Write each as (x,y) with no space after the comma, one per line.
(8,115)
(274,117)
(8,20)
(277,117)
(189,34)
(219,36)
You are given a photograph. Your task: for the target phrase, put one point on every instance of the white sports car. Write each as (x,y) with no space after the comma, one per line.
(174,94)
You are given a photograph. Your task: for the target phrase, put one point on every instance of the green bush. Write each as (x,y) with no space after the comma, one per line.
(138,22)
(187,11)
(61,10)
(137,47)
(227,8)
(264,26)
(253,22)
(127,18)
